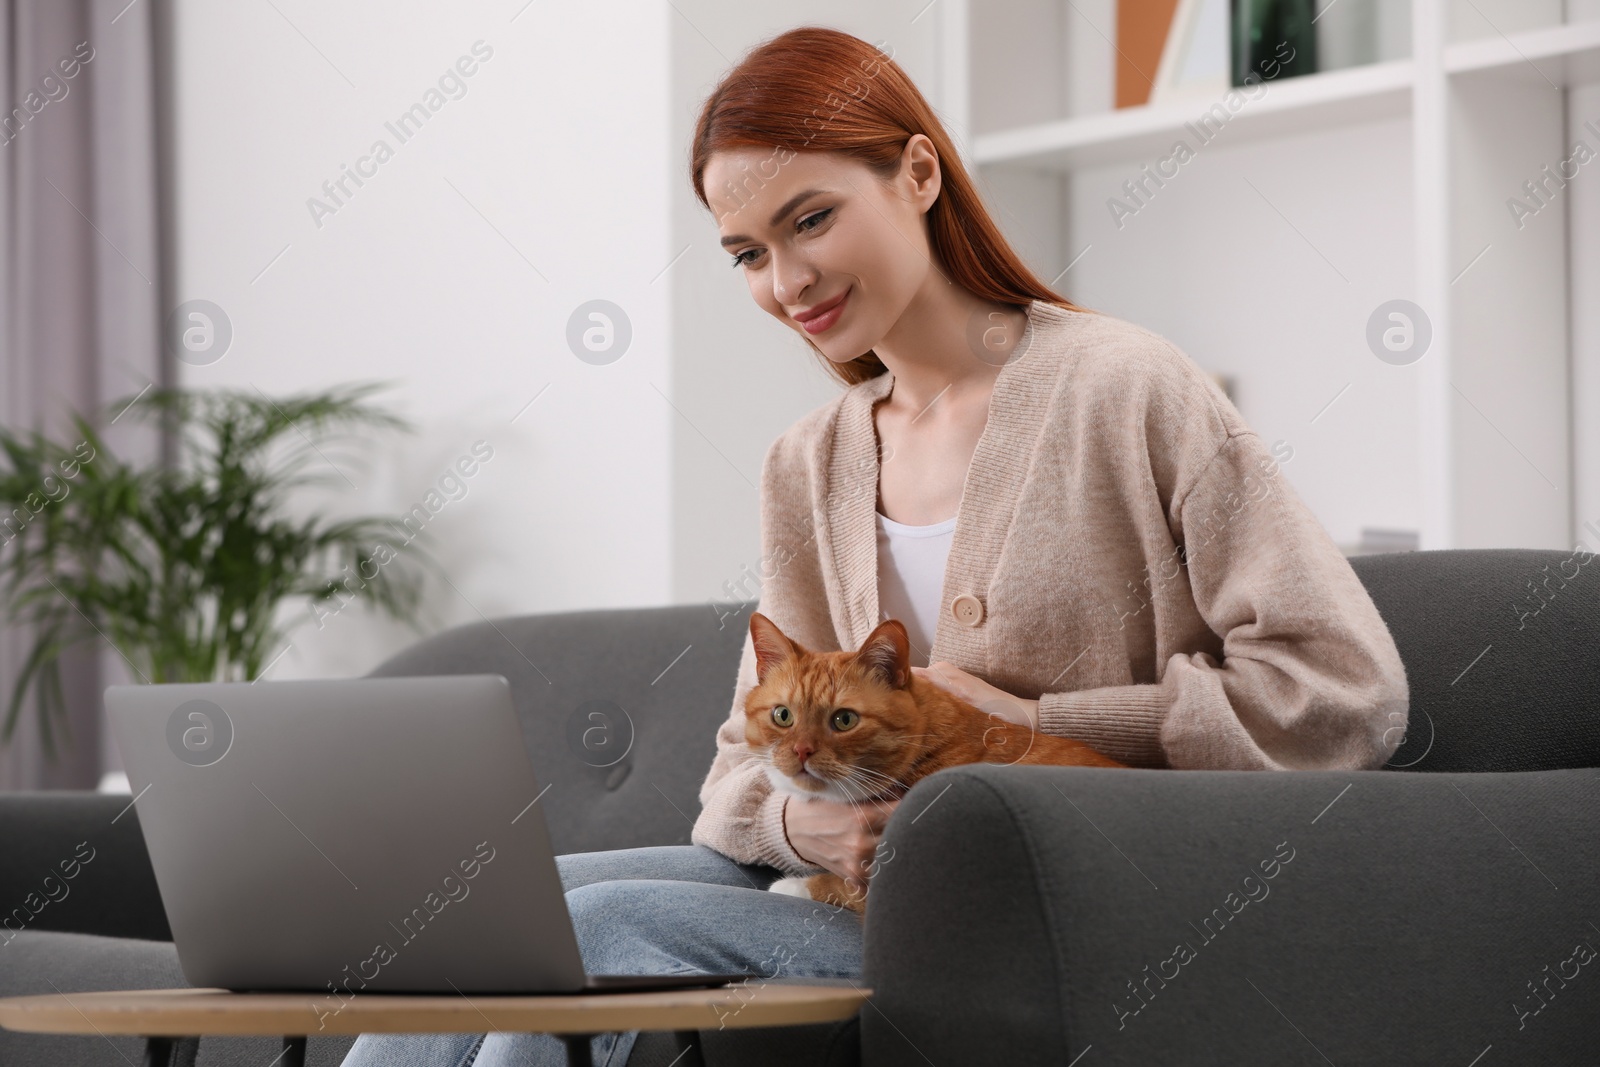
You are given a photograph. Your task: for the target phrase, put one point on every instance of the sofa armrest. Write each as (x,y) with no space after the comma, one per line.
(76,861)
(1025,914)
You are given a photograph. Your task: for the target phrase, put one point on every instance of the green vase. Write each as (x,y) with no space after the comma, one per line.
(1273,39)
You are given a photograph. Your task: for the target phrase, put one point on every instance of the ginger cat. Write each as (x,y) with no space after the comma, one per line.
(856,726)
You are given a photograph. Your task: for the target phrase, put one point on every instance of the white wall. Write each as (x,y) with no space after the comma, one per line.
(1583,250)
(560,142)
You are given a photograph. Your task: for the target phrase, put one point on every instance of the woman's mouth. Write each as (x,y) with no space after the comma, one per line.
(819,323)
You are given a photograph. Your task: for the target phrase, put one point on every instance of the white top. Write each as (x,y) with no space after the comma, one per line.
(911,562)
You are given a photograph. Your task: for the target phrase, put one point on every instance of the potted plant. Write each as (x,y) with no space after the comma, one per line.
(182,568)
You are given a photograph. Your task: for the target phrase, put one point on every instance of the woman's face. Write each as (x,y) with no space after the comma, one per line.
(821,226)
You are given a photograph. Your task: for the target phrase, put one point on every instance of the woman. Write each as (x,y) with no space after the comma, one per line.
(1075,524)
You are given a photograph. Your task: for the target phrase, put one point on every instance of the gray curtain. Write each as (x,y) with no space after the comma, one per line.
(80,282)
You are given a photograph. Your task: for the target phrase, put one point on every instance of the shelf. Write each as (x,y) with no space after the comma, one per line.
(1137,135)
(1141,134)
(1563,55)
(1399,172)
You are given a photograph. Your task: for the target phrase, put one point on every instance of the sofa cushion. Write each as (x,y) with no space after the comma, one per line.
(619,710)
(1500,653)
(77,861)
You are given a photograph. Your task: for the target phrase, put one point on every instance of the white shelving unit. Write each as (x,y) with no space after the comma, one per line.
(1397,176)
(1576,47)
(1566,54)
(1381,90)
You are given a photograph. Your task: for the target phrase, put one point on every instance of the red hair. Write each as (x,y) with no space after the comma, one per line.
(823,90)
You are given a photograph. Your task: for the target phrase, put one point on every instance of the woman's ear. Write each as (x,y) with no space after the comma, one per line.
(886,654)
(772,647)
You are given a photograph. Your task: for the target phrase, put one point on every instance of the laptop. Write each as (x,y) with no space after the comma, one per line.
(380,834)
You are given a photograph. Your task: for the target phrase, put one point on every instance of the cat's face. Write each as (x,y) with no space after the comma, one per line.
(838,725)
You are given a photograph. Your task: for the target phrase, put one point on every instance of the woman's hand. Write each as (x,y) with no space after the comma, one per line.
(839,837)
(981,695)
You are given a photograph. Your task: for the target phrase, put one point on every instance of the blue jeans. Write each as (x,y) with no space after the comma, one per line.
(674,909)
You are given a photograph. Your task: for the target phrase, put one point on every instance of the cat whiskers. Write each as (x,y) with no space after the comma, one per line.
(856,798)
(870,775)
(873,783)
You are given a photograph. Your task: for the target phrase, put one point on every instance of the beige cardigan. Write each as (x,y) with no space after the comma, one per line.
(1126,551)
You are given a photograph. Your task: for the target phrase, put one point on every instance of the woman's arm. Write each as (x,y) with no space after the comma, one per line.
(1310,677)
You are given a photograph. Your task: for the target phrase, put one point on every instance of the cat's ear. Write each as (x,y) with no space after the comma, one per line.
(886,654)
(772,647)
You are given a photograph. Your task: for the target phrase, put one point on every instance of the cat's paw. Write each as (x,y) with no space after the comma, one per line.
(794,887)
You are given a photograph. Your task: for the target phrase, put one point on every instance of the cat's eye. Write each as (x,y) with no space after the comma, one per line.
(782,716)
(845,718)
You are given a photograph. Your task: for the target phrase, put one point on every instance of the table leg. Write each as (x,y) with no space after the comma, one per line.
(577,1049)
(293,1054)
(171,1051)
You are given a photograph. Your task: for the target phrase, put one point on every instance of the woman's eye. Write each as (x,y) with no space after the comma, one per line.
(739,259)
(782,715)
(845,718)
(818,217)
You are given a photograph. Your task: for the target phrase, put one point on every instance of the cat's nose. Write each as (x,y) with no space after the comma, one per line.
(804,752)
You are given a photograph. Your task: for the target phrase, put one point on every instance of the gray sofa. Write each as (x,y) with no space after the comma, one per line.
(1035,915)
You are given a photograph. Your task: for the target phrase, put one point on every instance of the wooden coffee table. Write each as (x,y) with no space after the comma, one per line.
(172,1021)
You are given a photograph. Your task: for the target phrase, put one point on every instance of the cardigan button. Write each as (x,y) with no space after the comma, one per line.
(967,609)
